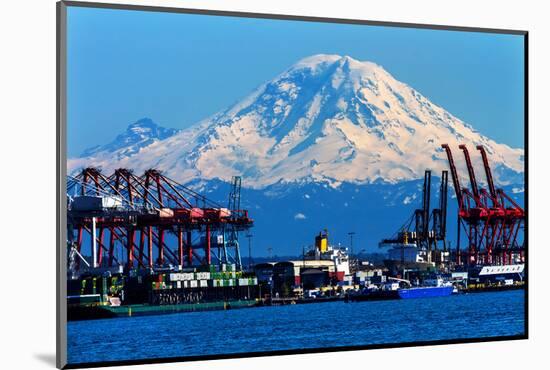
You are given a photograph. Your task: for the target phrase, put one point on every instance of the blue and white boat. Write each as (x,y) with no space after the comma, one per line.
(431,288)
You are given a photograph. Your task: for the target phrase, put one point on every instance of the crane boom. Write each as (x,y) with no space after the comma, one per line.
(489,175)
(456,181)
(426,202)
(471,173)
(234,204)
(443,203)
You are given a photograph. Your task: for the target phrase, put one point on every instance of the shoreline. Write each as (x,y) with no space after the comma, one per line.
(96,312)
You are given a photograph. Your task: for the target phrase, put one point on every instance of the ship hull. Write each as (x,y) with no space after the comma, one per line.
(425,292)
(377,295)
(87,312)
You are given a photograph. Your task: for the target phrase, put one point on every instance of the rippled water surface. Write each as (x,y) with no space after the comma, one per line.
(297,326)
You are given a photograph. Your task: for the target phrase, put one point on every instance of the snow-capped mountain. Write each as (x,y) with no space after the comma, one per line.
(327,119)
(139,134)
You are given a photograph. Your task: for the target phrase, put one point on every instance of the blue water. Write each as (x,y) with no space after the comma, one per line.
(297,327)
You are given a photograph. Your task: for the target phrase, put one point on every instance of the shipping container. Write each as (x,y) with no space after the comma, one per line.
(229,282)
(196,212)
(181,276)
(166,212)
(202,275)
(225,212)
(95,203)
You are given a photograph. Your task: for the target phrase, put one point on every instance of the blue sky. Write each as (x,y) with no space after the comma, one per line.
(178,69)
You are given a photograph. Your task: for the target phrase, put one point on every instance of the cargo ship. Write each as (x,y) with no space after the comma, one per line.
(161,291)
(99,311)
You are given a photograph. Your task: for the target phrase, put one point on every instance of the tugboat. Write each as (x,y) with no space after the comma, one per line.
(432,288)
(392,290)
(382,292)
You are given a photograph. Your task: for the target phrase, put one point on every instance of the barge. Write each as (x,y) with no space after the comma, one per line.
(89,312)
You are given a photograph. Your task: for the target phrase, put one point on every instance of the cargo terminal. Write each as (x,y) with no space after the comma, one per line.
(147,244)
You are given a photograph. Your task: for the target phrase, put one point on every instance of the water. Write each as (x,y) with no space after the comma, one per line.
(297,327)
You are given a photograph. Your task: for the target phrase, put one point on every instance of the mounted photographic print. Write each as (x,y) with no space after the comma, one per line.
(235,184)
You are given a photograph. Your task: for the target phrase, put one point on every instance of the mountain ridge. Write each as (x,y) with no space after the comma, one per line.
(328,119)
(139,134)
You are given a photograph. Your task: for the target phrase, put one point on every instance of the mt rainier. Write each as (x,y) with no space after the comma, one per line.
(329,136)
(327,119)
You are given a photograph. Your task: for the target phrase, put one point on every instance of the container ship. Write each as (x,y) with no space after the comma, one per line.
(146,244)
(124,294)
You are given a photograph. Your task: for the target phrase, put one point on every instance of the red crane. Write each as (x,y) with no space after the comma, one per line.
(489,176)
(151,212)
(454,175)
(471,174)
(462,212)
(492,219)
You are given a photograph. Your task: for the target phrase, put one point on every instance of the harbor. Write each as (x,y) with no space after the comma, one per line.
(234,188)
(147,245)
(284,327)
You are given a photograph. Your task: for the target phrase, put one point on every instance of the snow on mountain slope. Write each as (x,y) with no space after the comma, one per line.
(328,119)
(138,135)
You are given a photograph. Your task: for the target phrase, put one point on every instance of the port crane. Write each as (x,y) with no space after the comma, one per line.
(234,206)
(426,227)
(490,218)
(145,216)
